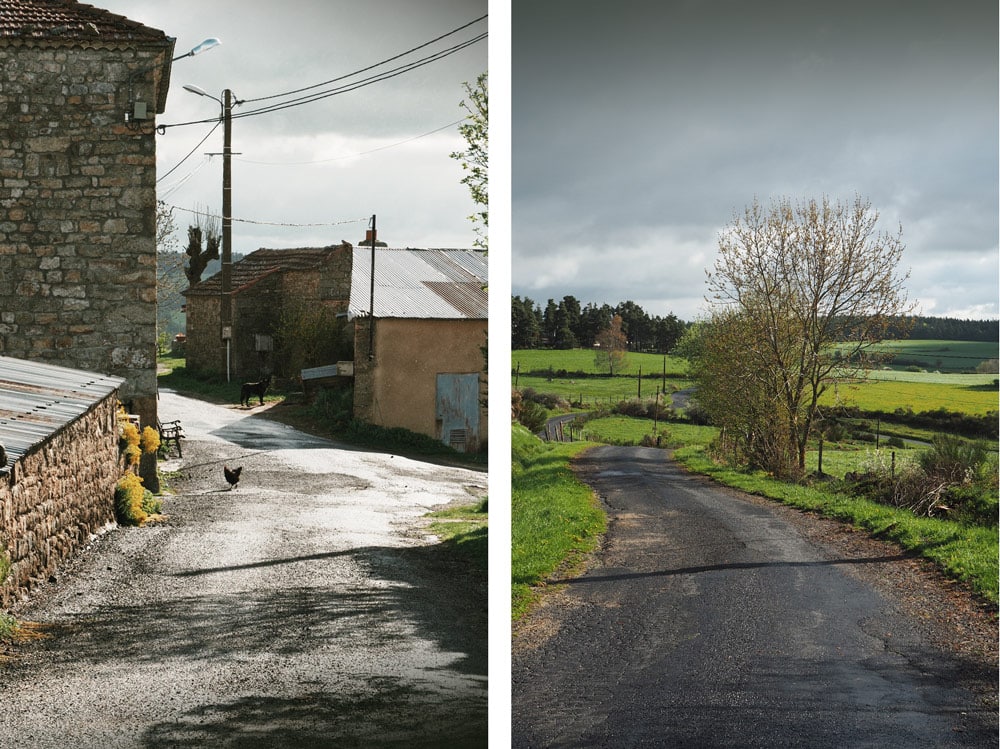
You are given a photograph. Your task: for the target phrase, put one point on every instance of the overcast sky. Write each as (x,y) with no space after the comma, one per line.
(343,158)
(639,129)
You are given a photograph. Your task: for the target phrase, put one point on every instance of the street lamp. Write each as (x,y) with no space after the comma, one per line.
(206,45)
(225,303)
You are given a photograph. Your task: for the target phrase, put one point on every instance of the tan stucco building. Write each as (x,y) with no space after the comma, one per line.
(423,366)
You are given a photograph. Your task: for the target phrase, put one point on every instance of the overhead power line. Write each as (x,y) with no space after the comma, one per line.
(348,87)
(370,67)
(271,223)
(355,155)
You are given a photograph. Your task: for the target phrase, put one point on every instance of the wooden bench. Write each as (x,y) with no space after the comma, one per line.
(170,431)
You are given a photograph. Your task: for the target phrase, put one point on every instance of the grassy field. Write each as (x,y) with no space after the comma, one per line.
(882,390)
(583,360)
(885,392)
(942,356)
(554,518)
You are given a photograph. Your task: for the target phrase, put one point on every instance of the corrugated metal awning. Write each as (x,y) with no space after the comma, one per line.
(38,399)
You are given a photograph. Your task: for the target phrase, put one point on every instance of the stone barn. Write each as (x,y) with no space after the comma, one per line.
(59,431)
(419,361)
(80,92)
(266,285)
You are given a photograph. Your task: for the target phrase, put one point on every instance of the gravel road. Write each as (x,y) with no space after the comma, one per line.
(709,619)
(305,608)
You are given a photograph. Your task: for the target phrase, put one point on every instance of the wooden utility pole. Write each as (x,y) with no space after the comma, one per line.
(226,302)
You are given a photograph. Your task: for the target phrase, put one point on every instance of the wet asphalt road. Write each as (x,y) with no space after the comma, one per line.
(302,609)
(707,621)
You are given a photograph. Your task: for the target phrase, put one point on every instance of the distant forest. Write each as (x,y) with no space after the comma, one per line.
(569,324)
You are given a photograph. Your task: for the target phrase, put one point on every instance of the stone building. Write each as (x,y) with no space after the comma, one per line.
(422,368)
(59,428)
(80,90)
(266,285)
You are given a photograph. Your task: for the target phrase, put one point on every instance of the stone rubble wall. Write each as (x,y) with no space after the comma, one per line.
(77,214)
(57,497)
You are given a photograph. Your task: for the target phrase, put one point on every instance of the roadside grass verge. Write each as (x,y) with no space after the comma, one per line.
(965,552)
(555,518)
(463,530)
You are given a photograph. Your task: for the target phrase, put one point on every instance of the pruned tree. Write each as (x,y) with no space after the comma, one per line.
(802,281)
(611,348)
(205,227)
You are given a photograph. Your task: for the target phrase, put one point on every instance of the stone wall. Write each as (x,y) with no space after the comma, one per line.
(56,497)
(77,214)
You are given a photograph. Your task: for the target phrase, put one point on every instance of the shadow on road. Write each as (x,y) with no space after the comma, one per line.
(720,567)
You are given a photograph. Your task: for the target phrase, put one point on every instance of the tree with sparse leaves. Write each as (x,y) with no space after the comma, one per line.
(475,158)
(206,227)
(799,294)
(612,346)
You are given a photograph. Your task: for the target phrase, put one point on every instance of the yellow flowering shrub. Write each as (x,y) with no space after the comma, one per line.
(150,440)
(129,494)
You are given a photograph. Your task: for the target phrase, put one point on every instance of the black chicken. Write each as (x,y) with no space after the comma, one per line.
(232,475)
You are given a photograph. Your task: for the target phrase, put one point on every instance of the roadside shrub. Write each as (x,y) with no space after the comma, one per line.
(551,401)
(527,412)
(974,504)
(334,405)
(954,459)
(129,494)
(151,504)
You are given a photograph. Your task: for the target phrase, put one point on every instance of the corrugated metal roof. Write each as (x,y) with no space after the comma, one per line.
(423,284)
(38,399)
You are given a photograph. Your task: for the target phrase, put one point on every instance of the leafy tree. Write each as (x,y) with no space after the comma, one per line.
(593,320)
(612,347)
(525,331)
(789,283)
(667,331)
(475,158)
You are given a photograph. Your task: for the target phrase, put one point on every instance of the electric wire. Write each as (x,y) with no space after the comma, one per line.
(370,67)
(346,88)
(354,155)
(270,223)
(175,166)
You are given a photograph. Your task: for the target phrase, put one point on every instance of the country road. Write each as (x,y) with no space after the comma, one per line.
(712,620)
(304,608)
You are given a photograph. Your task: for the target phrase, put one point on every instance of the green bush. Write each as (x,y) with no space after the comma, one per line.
(954,459)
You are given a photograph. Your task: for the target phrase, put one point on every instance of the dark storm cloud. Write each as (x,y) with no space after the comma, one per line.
(649,127)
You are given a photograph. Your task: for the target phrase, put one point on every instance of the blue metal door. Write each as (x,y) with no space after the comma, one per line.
(458,411)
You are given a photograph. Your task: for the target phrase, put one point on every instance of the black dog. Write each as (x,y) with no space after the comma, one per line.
(250,389)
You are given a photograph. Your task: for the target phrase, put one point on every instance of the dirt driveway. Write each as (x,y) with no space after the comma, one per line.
(305,608)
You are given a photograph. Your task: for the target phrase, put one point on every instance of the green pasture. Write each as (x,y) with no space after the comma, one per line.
(584,360)
(597,391)
(628,430)
(941,356)
(970,394)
